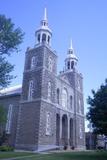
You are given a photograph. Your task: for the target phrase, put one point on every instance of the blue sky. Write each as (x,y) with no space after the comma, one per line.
(85,21)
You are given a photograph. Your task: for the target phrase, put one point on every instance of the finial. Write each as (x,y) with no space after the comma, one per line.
(45,14)
(71,48)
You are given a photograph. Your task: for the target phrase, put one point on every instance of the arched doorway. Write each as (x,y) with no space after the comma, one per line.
(57,129)
(71,132)
(64,130)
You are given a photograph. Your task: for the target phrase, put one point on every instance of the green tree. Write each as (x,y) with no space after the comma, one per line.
(97,114)
(10,39)
(2,117)
(2,124)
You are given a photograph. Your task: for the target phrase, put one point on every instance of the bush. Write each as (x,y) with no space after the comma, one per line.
(6,148)
(65,147)
(72,147)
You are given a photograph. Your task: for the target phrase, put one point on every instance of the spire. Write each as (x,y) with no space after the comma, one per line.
(44,33)
(71,59)
(70,49)
(45,15)
(44,21)
(71,46)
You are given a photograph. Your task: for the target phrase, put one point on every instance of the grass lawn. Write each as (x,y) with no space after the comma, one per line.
(4,155)
(100,155)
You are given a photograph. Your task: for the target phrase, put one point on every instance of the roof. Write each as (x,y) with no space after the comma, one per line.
(11,90)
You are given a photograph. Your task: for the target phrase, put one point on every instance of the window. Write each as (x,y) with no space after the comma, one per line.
(50,65)
(71,102)
(68,65)
(44,38)
(80,130)
(64,98)
(38,37)
(49,90)
(72,64)
(48,123)
(33,62)
(31,90)
(48,39)
(58,95)
(79,86)
(79,105)
(9,119)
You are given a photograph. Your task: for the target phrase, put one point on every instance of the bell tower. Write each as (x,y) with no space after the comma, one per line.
(76,80)
(71,59)
(44,33)
(36,111)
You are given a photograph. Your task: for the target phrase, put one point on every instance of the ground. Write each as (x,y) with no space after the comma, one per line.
(91,155)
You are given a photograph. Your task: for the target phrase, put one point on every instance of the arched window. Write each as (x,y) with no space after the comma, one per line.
(79,105)
(44,38)
(80,130)
(31,90)
(33,60)
(64,98)
(48,123)
(68,65)
(48,39)
(58,95)
(49,90)
(38,37)
(50,65)
(72,64)
(9,119)
(71,102)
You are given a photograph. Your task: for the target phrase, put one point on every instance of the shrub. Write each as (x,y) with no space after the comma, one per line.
(72,147)
(6,148)
(65,147)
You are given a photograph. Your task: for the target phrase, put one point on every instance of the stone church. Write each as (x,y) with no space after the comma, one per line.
(47,111)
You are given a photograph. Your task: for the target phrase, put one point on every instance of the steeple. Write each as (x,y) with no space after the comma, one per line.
(71,48)
(71,59)
(44,34)
(45,15)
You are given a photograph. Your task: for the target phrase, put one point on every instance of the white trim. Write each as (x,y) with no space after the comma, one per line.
(48,123)
(9,119)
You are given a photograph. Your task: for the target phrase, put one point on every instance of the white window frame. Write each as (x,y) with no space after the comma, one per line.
(9,119)
(50,64)
(33,62)
(48,123)
(80,131)
(49,90)
(64,98)
(31,90)
(71,101)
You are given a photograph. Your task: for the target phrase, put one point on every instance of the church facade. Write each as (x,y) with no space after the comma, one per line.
(47,112)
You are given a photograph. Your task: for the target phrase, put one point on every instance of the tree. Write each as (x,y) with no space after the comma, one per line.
(2,124)
(2,117)
(10,38)
(97,114)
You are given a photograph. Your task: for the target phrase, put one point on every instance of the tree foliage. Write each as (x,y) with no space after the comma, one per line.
(2,124)
(2,115)
(10,38)
(5,69)
(97,114)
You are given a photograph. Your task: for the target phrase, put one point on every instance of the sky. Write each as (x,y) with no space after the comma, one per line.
(83,21)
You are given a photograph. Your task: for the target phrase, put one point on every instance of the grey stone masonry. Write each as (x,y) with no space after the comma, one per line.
(48,110)
(13,100)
